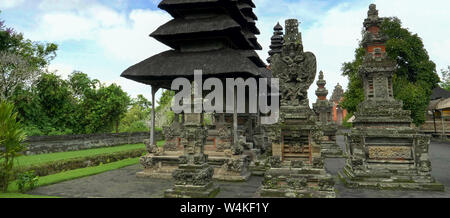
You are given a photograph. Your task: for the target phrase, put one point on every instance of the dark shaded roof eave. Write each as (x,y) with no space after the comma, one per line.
(172,64)
(438,93)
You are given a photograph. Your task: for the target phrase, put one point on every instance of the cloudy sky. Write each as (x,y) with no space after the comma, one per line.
(104,37)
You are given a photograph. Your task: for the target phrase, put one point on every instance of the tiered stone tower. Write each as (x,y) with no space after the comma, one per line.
(339,113)
(276,42)
(217,37)
(297,168)
(324,109)
(385,152)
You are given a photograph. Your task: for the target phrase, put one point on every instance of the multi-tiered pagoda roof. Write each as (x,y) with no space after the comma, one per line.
(215,36)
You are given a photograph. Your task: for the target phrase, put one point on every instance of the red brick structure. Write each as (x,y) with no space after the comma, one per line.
(337,97)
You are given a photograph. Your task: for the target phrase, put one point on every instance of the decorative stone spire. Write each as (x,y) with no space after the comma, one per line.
(337,94)
(321,91)
(292,34)
(322,107)
(276,41)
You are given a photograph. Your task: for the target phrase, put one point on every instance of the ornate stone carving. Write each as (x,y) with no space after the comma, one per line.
(297,183)
(275,162)
(295,68)
(297,164)
(153,149)
(201,177)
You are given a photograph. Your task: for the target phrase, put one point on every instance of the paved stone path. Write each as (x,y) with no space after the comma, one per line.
(122,183)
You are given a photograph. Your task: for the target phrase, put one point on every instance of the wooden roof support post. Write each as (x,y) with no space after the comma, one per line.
(443,126)
(152,128)
(235,119)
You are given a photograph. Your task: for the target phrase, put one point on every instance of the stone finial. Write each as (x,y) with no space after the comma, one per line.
(338,93)
(321,91)
(292,35)
(372,17)
(372,11)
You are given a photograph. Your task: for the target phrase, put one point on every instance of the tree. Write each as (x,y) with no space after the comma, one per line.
(135,120)
(14,71)
(445,84)
(12,137)
(105,108)
(81,85)
(164,115)
(414,79)
(57,102)
(21,60)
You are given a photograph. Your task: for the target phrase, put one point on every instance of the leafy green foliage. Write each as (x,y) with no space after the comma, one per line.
(78,105)
(27,181)
(105,109)
(414,79)
(445,84)
(22,61)
(12,139)
(163,111)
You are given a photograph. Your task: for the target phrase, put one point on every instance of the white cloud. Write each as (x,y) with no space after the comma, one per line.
(131,42)
(62,70)
(8,4)
(332,34)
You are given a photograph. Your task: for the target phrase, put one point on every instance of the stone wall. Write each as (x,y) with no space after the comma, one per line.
(50,144)
(428,126)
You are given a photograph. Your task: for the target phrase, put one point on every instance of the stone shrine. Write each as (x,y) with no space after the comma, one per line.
(339,113)
(323,109)
(193,177)
(161,162)
(219,38)
(384,151)
(297,168)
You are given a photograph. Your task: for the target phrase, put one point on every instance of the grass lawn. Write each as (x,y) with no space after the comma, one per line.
(18,195)
(43,158)
(69,175)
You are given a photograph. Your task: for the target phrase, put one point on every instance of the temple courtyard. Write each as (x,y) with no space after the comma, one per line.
(123,183)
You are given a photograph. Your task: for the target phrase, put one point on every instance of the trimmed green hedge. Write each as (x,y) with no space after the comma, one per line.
(48,168)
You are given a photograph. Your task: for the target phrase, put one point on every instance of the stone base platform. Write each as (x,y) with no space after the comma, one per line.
(162,167)
(232,169)
(158,167)
(183,191)
(331,150)
(390,181)
(305,182)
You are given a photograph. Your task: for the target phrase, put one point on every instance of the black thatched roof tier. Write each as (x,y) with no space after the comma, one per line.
(202,8)
(161,69)
(175,32)
(247,10)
